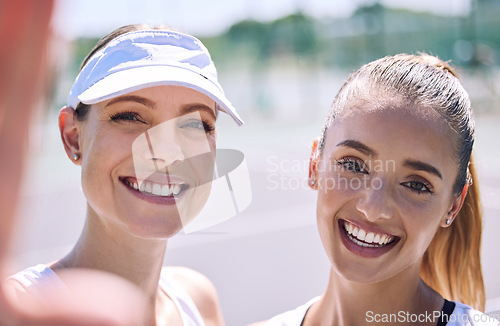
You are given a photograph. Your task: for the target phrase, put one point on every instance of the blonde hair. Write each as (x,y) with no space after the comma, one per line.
(451,264)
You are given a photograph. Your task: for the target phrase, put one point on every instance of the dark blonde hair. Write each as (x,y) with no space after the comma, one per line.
(451,265)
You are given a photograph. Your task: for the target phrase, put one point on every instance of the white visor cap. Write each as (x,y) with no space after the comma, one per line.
(148,58)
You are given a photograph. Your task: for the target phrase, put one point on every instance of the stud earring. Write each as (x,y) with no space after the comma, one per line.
(76,157)
(313,183)
(447,221)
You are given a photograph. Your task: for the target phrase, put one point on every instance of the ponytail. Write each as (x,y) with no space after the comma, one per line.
(452,263)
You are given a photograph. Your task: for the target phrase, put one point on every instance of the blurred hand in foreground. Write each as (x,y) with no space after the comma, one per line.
(24,36)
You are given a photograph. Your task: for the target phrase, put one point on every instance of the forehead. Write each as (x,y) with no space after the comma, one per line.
(174,93)
(158,98)
(396,131)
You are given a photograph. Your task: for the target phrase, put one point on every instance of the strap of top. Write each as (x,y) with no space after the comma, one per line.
(446,312)
(189,312)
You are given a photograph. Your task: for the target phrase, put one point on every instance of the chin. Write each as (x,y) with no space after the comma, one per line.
(357,269)
(360,273)
(156,231)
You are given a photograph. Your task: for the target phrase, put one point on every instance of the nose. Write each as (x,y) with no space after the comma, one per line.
(157,148)
(376,201)
(164,149)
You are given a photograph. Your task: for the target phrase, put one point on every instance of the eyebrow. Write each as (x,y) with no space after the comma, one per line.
(199,107)
(422,166)
(133,98)
(354,144)
(150,104)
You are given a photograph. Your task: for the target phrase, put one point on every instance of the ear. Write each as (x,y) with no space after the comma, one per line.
(313,165)
(455,207)
(70,133)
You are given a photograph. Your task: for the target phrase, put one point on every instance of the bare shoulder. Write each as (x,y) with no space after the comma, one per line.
(201,290)
(193,282)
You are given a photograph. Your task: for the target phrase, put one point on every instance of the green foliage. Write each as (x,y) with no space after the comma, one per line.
(371,32)
(81,48)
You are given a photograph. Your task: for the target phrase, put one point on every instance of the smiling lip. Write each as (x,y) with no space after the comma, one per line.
(156,193)
(365,243)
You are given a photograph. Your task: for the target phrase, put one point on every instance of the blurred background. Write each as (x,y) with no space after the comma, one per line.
(281,63)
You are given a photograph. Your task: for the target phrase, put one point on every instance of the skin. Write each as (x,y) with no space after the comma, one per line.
(395,201)
(405,201)
(123,234)
(23,67)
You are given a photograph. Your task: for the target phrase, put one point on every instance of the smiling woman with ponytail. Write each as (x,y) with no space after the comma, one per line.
(406,244)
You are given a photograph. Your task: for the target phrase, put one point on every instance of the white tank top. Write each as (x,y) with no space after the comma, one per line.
(35,275)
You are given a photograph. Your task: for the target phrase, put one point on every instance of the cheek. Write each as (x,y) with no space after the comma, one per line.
(332,198)
(335,190)
(202,160)
(103,153)
(193,203)
(421,222)
(105,149)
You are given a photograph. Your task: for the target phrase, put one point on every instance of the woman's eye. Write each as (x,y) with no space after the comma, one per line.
(351,165)
(127,116)
(418,186)
(198,125)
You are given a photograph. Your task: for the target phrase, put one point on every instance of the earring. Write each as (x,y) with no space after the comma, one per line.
(447,221)
(76,157)
(313,183)
(469,177)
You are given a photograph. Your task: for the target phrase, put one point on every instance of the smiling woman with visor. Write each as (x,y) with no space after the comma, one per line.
(140,121)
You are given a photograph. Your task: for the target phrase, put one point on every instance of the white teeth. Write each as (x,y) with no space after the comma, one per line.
(156,189)
(165,190)
(364,238)
(361,235)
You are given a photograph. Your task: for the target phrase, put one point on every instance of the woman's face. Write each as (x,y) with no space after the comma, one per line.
(147,159)
(384,183)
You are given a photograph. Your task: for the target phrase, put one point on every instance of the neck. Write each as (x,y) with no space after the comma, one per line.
(351,303)
(114,250)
